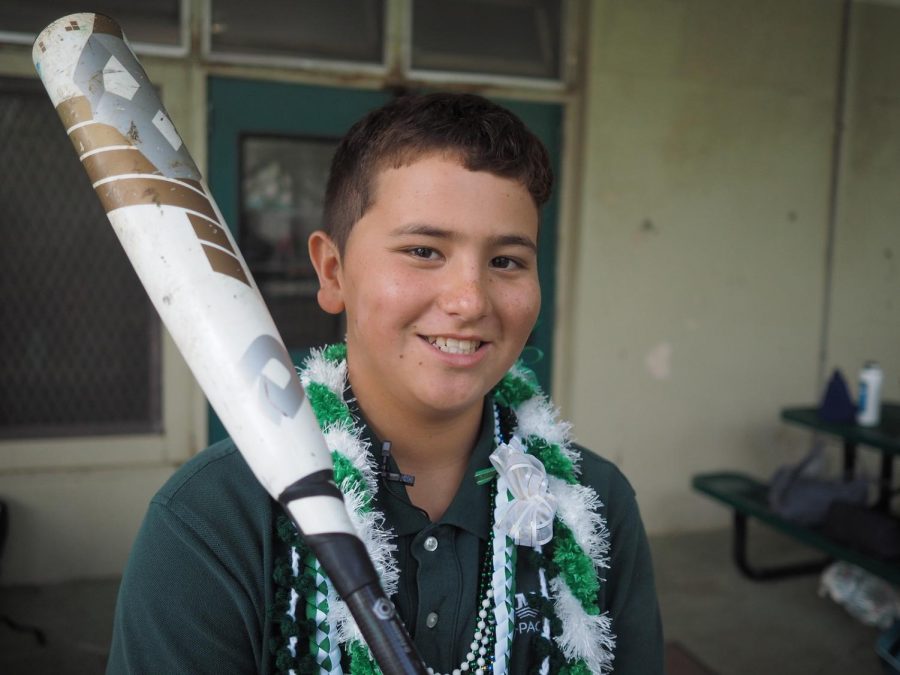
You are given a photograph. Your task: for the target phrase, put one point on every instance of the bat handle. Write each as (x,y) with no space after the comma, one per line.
(347,564)
(387,637)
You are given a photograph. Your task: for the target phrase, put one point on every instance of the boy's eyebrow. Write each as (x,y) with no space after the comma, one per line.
(423,229)
(515,240)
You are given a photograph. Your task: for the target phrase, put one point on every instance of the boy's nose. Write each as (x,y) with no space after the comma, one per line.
(466,298)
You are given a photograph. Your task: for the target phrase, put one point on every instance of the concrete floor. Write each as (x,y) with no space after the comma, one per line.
(733,626)
(76,618)
(740,627)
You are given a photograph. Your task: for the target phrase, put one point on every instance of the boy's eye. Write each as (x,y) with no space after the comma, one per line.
(423,252)
(504,263)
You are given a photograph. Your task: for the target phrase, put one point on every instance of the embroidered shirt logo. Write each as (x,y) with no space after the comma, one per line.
(528,617)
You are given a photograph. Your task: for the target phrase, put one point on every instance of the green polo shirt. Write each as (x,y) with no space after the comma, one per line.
(197,593)
(438,592)
(437,595)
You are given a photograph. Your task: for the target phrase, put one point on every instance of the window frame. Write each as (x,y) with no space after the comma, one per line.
(182,49)
(433,76)
(334,66)
(397,55)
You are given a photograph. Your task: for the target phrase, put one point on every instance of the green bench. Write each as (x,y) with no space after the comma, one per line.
(748,498)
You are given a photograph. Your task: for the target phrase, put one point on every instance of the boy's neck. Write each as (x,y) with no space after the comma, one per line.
(435,449)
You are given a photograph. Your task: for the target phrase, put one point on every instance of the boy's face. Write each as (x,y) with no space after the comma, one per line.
(439,281)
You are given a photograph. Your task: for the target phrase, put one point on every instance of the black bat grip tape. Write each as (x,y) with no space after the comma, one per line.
(384,632)
(346,562)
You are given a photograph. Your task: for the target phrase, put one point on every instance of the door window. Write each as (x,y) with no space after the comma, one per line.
(282,193)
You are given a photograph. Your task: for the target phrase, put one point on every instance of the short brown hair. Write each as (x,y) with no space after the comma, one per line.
(482,135)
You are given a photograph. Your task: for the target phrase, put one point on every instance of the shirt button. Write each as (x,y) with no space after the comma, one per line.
(431,620)
(431,545)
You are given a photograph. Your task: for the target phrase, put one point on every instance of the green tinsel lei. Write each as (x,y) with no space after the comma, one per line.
(577,668)
(328,406)
(553,459)
(360,663)
(563,557)
(567,557)
(576,567)
(512,390)
(336,352)
(348,477)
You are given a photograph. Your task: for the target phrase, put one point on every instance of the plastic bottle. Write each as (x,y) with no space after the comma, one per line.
(868,412)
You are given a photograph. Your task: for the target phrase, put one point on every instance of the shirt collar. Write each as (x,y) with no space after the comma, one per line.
(469,509)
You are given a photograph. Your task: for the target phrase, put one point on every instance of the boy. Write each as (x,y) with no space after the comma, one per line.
(431,250)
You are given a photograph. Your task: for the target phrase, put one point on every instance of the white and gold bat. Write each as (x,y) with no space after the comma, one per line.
(190,265)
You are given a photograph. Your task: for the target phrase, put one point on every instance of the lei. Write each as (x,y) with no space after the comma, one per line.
(315,628)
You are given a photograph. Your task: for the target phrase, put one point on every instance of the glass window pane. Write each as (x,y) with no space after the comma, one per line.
(282,194)
(340,30)
(520,38)
(80,341)
(156,22)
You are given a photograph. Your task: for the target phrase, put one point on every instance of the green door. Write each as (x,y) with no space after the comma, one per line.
(545,120)
(269,149)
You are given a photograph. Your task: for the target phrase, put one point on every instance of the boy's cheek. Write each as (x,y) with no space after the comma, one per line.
(377,299)
(525,303)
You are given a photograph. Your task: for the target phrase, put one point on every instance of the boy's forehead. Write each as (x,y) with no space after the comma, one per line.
(411,159)
(429,197)
(412,162)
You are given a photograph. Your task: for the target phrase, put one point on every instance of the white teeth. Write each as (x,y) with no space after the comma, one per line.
(455,346)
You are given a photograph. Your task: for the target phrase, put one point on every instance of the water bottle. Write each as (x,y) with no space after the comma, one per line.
(868,412)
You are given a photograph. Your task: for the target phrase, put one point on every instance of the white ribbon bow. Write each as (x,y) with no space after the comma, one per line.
(529,515)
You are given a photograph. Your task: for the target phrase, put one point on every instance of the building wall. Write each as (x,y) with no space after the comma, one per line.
(865,302)
(701,273)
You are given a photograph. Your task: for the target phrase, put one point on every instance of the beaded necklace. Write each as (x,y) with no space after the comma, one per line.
(569,569)
(482,650)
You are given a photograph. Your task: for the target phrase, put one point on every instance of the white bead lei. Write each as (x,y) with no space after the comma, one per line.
(504,563)
(584,637)
(498,594)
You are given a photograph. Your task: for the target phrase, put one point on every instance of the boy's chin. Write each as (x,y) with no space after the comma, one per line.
(454,402)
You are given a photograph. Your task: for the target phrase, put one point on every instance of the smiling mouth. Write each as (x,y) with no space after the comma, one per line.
(453,345)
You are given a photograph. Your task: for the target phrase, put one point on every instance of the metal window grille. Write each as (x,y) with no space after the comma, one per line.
(79,340)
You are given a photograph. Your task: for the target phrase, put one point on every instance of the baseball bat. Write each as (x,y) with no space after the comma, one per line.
(185,256)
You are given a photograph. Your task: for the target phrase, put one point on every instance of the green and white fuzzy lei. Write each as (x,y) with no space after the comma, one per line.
(580,547)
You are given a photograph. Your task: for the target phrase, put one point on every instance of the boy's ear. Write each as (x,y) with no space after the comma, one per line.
(326,258)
